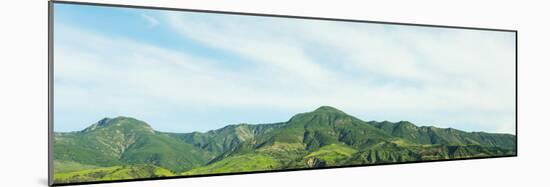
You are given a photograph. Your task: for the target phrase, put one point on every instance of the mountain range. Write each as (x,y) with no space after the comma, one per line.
(127,148)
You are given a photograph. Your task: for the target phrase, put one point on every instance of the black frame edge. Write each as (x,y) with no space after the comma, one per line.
(50,88)
(50,92)
(517,114)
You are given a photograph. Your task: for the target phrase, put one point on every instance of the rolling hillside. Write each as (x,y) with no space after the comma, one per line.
(122,147)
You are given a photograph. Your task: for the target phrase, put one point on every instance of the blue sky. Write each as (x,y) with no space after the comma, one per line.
(185,71)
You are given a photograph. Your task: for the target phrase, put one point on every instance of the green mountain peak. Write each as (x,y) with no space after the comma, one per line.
(325,114)
(327,109)
(120,122)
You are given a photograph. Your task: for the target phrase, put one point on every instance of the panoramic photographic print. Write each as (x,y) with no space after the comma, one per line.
(149,93)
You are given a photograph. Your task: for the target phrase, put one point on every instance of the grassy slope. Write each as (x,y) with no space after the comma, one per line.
(240,163)
(112,173)
(69,166)
(167,152)
(330,155)
(447,136)
(227,138)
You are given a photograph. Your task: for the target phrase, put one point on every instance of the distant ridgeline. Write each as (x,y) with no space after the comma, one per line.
(127,148)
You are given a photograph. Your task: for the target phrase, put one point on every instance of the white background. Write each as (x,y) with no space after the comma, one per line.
(23,94)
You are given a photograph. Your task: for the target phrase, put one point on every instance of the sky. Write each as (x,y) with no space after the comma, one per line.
(191,71)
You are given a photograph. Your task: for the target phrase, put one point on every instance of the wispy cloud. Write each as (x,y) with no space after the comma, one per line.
(455,78)
(401,70)
(150,20)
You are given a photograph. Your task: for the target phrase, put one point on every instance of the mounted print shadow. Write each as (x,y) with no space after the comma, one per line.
(152,93)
